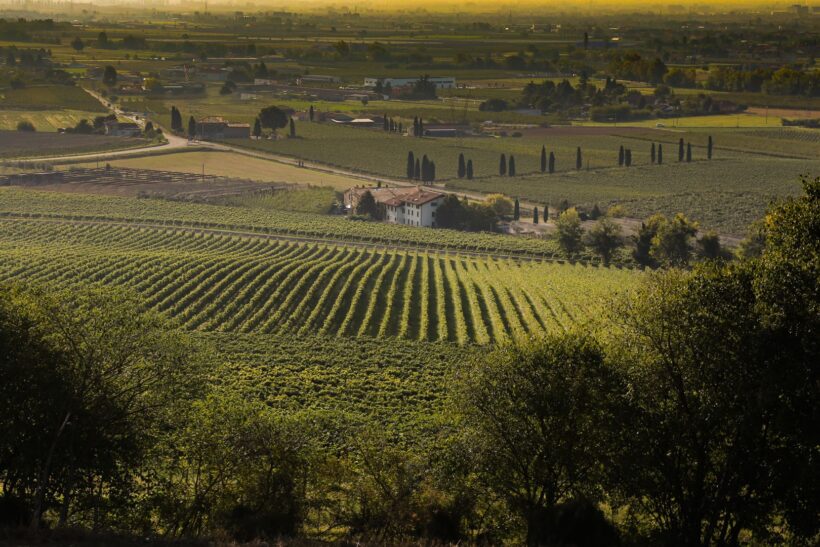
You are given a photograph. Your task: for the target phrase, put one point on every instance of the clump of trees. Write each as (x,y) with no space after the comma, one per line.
(665,242)
(26,126)
(273,117)
(460,214)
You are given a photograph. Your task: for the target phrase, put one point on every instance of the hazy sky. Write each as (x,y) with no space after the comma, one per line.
(455,5)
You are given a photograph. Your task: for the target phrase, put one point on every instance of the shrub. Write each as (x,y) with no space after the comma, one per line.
(25,125)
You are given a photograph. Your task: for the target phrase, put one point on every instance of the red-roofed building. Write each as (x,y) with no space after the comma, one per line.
(414,206)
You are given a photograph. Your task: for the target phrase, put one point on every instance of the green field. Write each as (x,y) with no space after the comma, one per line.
(255,284)
(228,164)
(45,120)
(24,144)
(398,384)
(724,195)
(252,220)
(50,97)
(317,200)
(750,166)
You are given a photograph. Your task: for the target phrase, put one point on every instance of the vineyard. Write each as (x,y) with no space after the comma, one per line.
(211,281)
(393,382)
(41,204)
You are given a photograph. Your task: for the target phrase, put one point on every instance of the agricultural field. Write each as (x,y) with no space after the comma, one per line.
(22,144)
(228,164)
(750,166)
(233,107)
(742,120)
(57,205)
(47,107)
(314,199)
(44,120)
(50,97)
(254,284)
(399,384)
(374,151)
(724,195)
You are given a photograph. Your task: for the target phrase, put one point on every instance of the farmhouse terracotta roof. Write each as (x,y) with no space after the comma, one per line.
(396,197)
(420,196)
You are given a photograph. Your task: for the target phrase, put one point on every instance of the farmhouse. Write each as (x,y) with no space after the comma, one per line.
(446,130)
(442,82)
(414,206)
(122,129)
(215,127)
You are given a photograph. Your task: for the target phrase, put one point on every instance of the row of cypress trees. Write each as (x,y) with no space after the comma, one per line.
(423,169)
(465,169)
(392,126)
(547,163)
(506,165)
(656,154)
(418,127)
(176,122)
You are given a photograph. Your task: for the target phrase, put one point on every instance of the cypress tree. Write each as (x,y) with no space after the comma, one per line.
(709,148)
(415,126)
(292,128)
(660,154)
(191,127)
(176,119)
(652,153)
(543,158)
(578,161)
(257,128)
(546,213)
(469,169)
(621,156)
(552,162)
(502,165)
(386,123)
(680,150)
(511,168)
(421,128)
(425,168)
(688,151)
(417,170)
(517,210)
(310,113)
(595,214)
(628,157)
(462,168)
(535,215)
(432,176)
(411,165)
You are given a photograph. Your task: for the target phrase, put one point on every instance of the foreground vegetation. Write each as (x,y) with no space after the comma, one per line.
(685,416)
